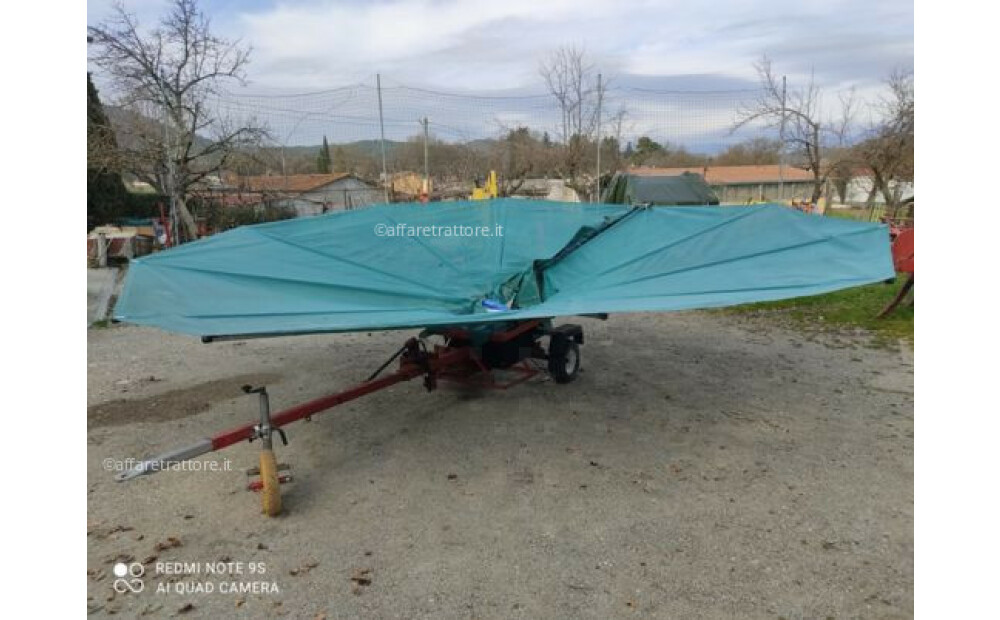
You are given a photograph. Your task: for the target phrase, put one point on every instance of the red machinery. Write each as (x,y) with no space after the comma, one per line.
(902,250)
(468,355)
(902,259)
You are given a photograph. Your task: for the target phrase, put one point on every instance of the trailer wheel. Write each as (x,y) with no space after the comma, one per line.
(270,492)
(564,358)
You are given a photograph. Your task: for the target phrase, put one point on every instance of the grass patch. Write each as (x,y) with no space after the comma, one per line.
(857,214)
(851,308)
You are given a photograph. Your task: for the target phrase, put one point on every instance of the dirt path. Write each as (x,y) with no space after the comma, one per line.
(702,466)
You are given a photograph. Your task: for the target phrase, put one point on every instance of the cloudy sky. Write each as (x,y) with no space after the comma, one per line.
(452,45)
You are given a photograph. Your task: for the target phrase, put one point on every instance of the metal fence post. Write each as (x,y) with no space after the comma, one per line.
(597,132)
(381,125)
(781,143)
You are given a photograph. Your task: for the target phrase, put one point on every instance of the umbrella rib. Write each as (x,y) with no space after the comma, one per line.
(338,258)
(311,283)
(751,211)
(428,248)
(732,259)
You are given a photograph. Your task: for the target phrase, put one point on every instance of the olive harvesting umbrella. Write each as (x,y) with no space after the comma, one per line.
(460,263)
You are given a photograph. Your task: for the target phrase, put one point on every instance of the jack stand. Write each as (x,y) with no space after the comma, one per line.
(270,480)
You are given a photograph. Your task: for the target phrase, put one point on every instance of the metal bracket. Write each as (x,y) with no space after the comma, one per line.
(264,430)
(258,433)
(415,352)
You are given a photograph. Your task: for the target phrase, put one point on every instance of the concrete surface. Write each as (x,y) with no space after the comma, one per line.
(702,466)
(100,287)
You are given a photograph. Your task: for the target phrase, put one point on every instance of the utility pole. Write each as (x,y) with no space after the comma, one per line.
(781,143)
(381,125)
(597,132)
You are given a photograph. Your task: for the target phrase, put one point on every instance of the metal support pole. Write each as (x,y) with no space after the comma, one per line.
(427,174)
(781,143)
(265,419)
(597,131)
(381,125)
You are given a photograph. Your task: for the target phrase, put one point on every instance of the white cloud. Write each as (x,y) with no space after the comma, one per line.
(328,41)
(491,43)
(478,45)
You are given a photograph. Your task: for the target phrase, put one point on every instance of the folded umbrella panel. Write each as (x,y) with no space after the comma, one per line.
(391,266)
(672,259)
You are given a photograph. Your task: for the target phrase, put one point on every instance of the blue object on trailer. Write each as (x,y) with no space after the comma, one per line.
(462,263)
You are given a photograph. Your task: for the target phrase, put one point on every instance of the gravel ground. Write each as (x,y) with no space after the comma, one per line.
(702,466)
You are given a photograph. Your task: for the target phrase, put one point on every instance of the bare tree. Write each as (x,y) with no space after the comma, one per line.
(888,150)
(754,151)
(166,80)
(811,137)
(613,142)
(518,155)
(572,80)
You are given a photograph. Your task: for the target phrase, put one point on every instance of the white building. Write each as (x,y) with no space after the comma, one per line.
(312,194)
(859,189)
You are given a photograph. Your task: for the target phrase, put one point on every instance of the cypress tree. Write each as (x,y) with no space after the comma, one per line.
(323,159)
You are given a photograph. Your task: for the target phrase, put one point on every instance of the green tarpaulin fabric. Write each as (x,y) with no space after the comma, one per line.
(682,189)
(414,265)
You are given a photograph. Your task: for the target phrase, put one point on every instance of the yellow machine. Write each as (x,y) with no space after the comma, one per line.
(489,189)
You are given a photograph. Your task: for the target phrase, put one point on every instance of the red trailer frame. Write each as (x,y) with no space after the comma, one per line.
(465,358)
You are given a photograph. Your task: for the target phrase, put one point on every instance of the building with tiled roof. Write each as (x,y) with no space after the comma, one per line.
(309,194)
(740,184)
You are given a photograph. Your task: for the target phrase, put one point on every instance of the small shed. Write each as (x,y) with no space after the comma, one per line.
(312,194)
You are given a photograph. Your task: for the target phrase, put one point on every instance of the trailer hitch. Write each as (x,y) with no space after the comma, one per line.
(452,361)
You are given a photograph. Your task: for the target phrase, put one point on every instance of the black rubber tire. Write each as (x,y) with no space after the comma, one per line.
(564,358)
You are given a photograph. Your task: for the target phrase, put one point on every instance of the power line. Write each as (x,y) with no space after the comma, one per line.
(699,120)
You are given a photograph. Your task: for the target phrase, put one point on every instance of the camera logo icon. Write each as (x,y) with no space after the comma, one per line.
(129,577)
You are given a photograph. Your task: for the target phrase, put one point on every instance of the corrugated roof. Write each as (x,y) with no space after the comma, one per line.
(293,183)
(732,175)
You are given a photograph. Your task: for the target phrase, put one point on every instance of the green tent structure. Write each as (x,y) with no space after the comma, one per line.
(684,189)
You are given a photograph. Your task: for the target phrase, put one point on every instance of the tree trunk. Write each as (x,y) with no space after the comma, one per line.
(872,194)
(817,191)
(187,220)
(883,187)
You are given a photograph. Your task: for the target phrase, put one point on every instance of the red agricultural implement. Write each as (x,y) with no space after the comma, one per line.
(470,356)
(902,259)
